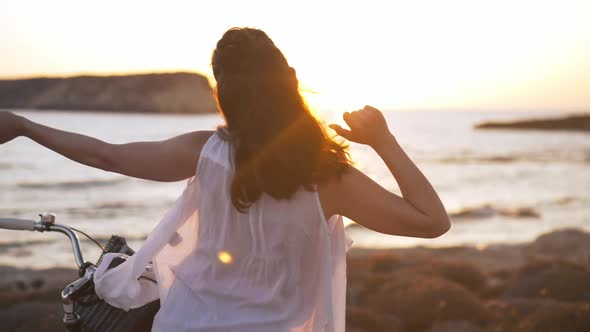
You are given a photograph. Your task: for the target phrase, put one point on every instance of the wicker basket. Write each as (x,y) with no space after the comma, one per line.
(98,316)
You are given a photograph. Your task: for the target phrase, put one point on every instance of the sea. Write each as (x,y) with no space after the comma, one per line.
(499,186)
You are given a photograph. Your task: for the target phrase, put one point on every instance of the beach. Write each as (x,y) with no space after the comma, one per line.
(542,285)
(517,257)
(488,100)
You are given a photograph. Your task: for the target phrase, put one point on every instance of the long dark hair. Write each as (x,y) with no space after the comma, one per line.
(279,145)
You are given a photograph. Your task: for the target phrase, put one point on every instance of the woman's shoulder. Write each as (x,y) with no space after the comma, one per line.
(216,146)
(204,139)
(199,139)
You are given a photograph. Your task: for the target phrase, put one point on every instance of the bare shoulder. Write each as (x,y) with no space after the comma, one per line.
(186,149)
(196,140)
(190,143)
(199,138)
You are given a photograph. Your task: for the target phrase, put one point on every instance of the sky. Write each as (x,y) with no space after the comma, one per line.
(395,55)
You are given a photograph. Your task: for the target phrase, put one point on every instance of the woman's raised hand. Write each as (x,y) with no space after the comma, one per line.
(367,126)
(11,126)
(419,212)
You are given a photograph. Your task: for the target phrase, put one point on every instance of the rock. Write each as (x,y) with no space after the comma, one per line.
(37,283)
(385,262)
(21,285)
(477,212)
(38,316)
(370,321)
(464,274)
(355,329)
(26,285)
(455,326)
(566,244)
(535,314)
(520,212)
(557,280)
(488,211)
(419,301)
(361,289)
(564,318)
(508,312)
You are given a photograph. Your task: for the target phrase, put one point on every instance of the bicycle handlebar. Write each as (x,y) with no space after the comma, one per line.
(46,224)
(73,239)
(17,224)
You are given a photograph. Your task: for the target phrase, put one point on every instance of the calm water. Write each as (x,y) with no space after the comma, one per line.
(499,179)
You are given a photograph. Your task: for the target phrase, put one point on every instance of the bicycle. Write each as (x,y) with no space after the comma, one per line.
(83,310)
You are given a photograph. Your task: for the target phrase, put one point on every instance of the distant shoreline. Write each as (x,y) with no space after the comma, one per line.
(572,122)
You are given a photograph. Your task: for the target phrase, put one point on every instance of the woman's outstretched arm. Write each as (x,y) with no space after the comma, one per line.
(169,160)
(419,213)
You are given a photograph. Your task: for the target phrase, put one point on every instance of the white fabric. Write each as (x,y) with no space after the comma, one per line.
(278,267)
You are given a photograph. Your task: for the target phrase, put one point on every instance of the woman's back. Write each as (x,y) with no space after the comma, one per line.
(279,266)
(268,269)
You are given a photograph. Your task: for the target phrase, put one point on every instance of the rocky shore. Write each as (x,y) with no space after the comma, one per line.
(574,122)
(184,93)
(539,286)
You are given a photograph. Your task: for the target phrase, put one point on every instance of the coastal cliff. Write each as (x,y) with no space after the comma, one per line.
(149,93)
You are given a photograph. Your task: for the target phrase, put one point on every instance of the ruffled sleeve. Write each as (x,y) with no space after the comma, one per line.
(122,286)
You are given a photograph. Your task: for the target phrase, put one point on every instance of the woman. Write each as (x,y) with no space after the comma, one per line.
(271,189)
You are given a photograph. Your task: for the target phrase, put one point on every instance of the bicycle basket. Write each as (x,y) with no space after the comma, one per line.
(98,316)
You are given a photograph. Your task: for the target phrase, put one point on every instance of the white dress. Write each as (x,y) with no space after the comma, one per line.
(281,266)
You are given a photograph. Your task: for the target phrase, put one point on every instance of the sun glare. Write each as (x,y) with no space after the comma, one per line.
(393,54)
(445,55)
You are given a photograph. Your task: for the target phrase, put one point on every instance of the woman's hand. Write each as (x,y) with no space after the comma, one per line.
(11,126)
(419,212)
(367,126)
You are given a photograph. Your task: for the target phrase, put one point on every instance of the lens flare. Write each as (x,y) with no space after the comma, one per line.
(225,257)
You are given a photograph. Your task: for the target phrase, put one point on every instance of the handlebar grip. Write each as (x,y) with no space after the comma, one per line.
(17,224)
